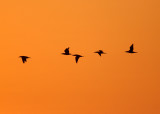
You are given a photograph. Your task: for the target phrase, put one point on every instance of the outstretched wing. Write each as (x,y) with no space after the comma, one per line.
(131,48)
(66,50)
(99,54)
(76,58)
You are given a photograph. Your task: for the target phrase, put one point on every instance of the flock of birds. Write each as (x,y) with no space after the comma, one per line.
(77,56)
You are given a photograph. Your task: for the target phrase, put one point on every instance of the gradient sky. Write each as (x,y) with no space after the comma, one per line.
(51,83)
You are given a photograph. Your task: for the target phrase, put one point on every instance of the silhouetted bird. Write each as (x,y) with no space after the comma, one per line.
(77,57)
(100,52)
(24,58)
(131,49)
(66,51)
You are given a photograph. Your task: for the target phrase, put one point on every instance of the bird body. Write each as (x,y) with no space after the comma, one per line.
(100,52)
(131,49)
(66,51)
(24,58)
(77,57)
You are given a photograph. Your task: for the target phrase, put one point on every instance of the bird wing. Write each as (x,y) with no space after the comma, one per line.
(24,60)
(131,48)
(99,53)
(66,50)
(96,52)
(77,57)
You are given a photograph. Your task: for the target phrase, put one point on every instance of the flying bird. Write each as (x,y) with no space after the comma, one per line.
(24,58)
(66,51)
(77,57)
(131,49)
(100,52)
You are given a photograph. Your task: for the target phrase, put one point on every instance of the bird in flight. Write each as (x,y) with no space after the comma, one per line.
(77,57)
(100,52)
(66,51)
(24,58)
(131,49)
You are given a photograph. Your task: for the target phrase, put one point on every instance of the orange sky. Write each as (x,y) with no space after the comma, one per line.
(50,83)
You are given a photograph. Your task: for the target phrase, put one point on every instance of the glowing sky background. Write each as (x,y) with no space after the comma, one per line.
(51,83)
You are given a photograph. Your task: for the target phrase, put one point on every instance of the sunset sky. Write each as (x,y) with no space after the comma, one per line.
(52,83)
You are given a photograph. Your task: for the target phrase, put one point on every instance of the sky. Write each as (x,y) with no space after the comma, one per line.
(51,83)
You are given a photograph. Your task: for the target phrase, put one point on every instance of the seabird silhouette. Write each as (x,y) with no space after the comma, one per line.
(131,49)
(100,52)
(77,57)
(66,51)
(24,58)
